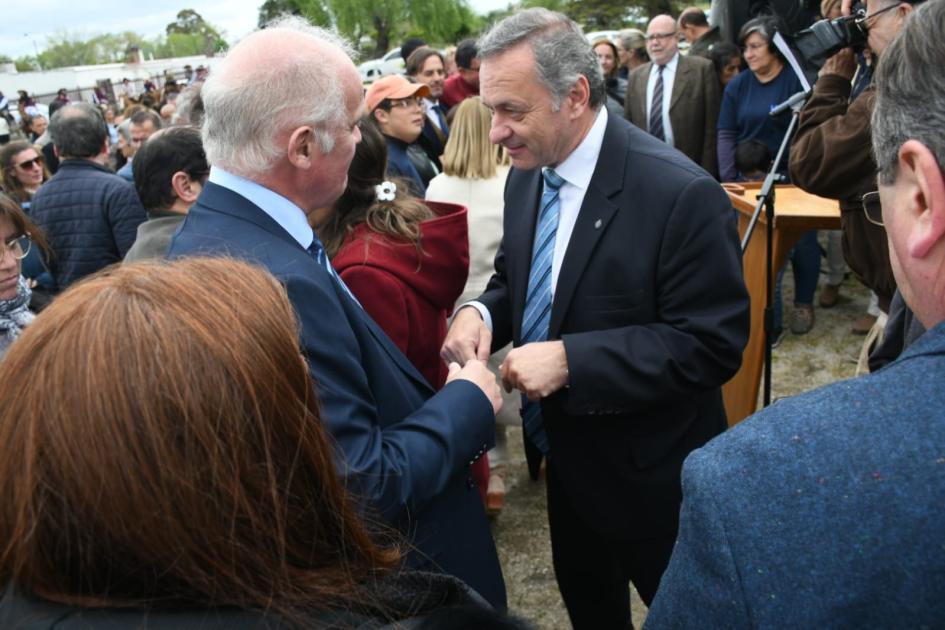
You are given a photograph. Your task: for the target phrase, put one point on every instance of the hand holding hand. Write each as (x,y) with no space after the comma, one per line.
(468,338)
(478,374)
(536,369)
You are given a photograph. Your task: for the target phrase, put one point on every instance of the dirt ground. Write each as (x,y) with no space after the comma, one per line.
(827,354)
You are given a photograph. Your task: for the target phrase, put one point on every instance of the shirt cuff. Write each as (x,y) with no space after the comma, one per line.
(483,312)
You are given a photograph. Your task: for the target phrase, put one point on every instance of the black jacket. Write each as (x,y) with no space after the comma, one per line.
(90,217)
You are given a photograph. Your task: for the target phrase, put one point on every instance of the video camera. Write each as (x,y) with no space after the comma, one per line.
(825,38)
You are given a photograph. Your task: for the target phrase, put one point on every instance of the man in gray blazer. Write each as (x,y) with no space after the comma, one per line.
(675,98)
(827,510)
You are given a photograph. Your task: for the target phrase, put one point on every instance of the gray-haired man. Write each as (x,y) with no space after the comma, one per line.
(619,282)
(280,130)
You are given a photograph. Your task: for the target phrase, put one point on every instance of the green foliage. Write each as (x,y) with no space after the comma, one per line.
(27,63)
(384,22)
(188,35)
(314,11)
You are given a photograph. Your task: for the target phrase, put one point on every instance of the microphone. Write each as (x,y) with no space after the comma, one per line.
(797,99)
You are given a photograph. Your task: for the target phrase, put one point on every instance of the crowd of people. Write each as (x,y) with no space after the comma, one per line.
(261,338)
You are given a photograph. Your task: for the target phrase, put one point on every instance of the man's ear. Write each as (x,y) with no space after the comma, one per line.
(579,97)
(922,189)
(184,187)
(381,117)
(301,147)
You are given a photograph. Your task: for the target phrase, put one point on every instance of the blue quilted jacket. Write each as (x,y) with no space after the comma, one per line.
(90,217)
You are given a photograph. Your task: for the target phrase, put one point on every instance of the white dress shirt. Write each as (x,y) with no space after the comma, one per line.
(576,170)
(288,215)
(428,105)
(669,77)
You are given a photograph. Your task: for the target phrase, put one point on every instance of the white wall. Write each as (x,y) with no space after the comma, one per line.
(85,77)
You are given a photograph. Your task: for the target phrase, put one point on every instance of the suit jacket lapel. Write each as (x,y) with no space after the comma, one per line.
(596,212)
(680,83)
(643,78)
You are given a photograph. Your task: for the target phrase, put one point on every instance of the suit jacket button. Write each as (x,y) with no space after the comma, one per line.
(470,484)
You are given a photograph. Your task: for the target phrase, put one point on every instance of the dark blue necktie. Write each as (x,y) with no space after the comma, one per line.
(538,297)
(439,116)
(317,250)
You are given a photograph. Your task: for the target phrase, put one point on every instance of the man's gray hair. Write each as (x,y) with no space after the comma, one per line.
(910,90)
(78,130)
(562,54)
(244,115)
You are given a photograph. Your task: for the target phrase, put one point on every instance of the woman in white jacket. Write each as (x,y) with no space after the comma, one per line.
(474,172)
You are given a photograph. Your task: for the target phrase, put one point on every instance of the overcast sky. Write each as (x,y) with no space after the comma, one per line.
(31,21)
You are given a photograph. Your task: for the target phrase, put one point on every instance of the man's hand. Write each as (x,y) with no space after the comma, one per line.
(843,63)
(479,375)
(536,369)
(468,338)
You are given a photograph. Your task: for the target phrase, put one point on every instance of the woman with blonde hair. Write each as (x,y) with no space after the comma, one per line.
(163,462)
(474,172)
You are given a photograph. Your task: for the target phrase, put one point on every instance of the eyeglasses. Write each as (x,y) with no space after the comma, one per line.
(863,21)
(19,246)
(659,36)
(28,164)
(873,208)
(407,103)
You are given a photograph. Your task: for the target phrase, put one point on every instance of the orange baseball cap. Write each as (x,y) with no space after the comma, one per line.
(393,86)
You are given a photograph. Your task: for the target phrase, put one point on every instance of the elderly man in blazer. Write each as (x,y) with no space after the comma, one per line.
(619,283)
(676,98)
(403,449)
(826,510)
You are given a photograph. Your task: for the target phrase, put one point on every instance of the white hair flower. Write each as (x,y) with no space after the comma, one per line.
(385,191)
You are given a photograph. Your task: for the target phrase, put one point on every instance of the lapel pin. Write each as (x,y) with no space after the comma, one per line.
(597,224)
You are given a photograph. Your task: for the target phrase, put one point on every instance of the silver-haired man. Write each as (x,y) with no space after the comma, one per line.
(280,131)
(619,282)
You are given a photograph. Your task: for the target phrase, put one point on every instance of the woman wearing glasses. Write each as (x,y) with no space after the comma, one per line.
(745,117)
(17,234)
(22,172)
(396,106)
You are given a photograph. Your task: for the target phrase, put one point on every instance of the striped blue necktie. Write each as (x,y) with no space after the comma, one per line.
(656,106)
(538,297)
(317,250)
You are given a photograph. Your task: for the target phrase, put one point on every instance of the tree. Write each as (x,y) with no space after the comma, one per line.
(189,22)
(314,11)
(382,21)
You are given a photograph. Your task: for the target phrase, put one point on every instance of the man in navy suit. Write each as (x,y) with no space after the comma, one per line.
(280,131)
(425,65)
(828,509)
(619,282)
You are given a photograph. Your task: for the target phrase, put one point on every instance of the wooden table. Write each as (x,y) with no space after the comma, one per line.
(795,212)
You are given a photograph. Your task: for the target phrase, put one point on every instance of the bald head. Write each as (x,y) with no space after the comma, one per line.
(274,80)
(661,39)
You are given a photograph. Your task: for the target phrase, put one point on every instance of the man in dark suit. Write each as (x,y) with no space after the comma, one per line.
(826,509)
(425,65)
(277,157)
(619,283)
(676,98)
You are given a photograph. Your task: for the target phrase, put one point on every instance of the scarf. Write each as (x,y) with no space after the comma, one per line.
(15,313)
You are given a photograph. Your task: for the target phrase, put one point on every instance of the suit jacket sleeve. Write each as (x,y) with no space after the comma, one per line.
(383,298)
(832,151)
(403,463)
(124,214)
(713,97)
(695,343)
(701,587)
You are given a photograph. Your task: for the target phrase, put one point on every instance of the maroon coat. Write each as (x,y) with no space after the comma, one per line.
(410,295)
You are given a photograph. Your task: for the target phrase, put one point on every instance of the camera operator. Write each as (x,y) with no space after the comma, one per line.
(832,153)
